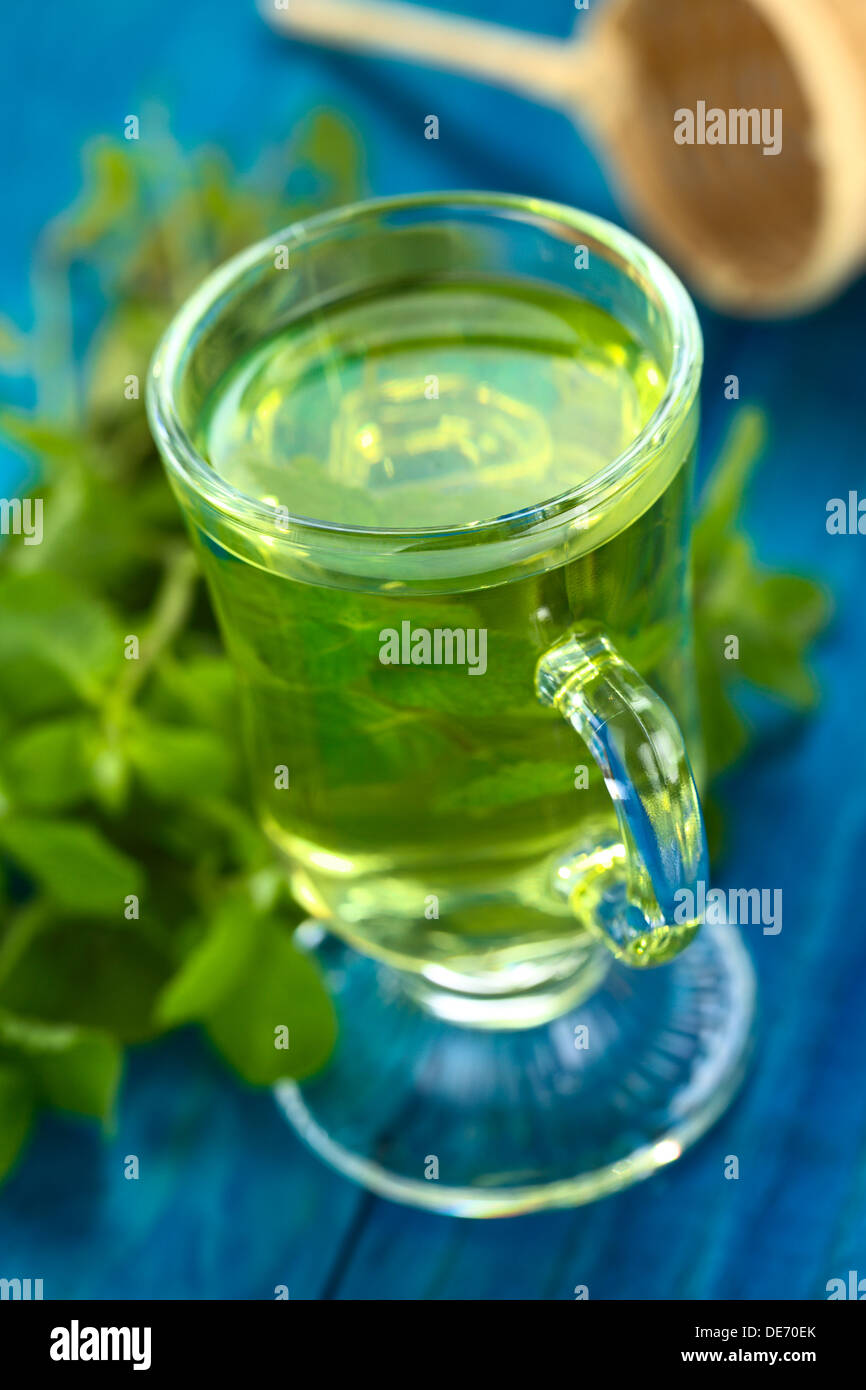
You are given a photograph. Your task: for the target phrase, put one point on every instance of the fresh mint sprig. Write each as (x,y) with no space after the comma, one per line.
(136,890)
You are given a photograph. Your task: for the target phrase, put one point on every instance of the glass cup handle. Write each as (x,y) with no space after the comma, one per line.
(638,894)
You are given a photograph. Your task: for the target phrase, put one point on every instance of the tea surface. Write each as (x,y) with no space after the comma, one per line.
(442,404)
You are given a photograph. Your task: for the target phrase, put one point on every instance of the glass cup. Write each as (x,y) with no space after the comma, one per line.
(471,742)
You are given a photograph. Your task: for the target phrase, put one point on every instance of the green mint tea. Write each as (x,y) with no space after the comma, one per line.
(424,799)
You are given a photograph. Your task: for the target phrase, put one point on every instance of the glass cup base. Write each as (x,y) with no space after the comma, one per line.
(474,1122)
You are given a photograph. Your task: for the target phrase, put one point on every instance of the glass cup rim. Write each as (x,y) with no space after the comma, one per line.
(645,265)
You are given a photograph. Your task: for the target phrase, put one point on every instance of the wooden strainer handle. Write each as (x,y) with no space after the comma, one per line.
(540,68)
(756,234)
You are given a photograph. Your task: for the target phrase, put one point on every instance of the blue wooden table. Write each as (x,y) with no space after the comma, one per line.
(229,1204)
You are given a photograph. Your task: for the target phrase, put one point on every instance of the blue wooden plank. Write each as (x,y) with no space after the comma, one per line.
(229,1203)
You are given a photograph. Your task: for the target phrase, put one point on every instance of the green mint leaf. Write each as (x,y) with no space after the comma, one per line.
(799,606)
(178,762)
(84,1079)
(280,989)
(775,616)
(76,972)
(13,344)
(17,1112)
(780,670)
(77,867)
(108,193)
(512,784)
(200,690)
(722,499)
(44,621)
(212,968)
(725,734)
(506,688)
(71,1068)
(52,444)
(47,764)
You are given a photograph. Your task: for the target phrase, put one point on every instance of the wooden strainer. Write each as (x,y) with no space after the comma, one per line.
(756,233)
